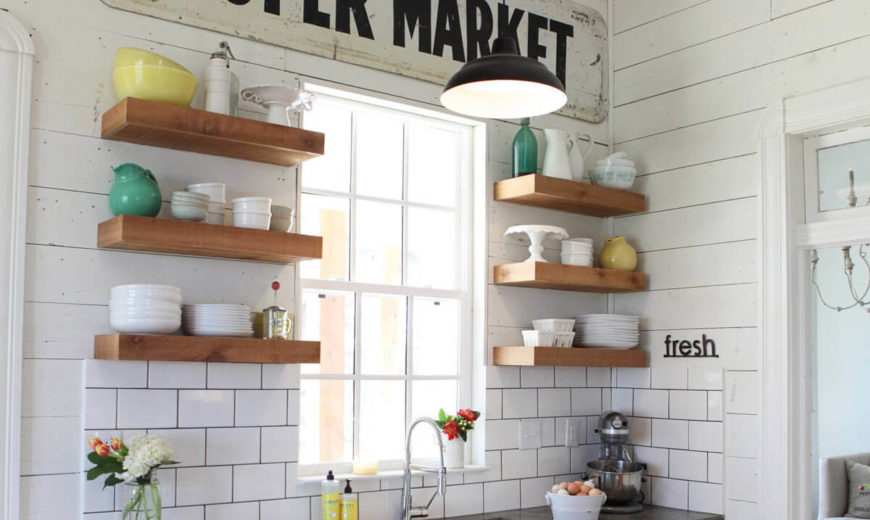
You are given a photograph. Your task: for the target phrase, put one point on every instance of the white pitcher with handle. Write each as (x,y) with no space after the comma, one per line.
(576,158)
(557,162)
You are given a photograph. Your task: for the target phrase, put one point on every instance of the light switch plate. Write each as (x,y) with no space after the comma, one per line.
(573,427)
(530,434)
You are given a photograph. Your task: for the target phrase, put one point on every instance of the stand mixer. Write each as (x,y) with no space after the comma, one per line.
(615,472)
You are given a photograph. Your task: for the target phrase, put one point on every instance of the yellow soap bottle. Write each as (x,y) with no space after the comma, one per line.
(348,503)
(331,490)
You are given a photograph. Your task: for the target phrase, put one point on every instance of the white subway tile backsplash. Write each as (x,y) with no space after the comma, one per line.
(688,404)
(279,444)
(503,495)
(234,375)
(293,407)
(705,378)
(96,498)
(742,435)
(492,460)
(706,498)
(585,401)
(164,374)
(232,511)
(261,407)
(606,399)
(187,443)
(184,513)
(493,404)
(100,407)
(548,432)
(294,508)
(502,377)
(212,485)
(531,437)
(669,378)
(554,461)
(742,393)
(640,431)
(258,482)
(581,455)
(714,406)
(520,403)
(205,408)
(670,433)
(502,435)
(622,400)
(536,377)
(226,446)
(656,460)
(281,376)
(519,464)
(688,465)
(102,373)
(705,436)
(553,402)
(147,408)
(670,493)
(372,506)
(651,403)
(598,377)
(466,499)
(533,491)
(632,377)
(570,376)
(714,467)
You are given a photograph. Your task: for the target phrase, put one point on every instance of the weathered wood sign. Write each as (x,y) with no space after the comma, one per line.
(424,39)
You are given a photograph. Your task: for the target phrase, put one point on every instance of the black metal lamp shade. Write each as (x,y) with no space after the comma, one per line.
(505,85)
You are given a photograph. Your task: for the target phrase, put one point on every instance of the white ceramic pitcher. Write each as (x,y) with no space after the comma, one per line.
(576,157)
(557,162)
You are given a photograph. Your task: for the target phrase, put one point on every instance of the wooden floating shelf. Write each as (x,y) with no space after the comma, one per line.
(200,348)
(576,197)
(163,235)
(181,128)
(545,275)
(568,357)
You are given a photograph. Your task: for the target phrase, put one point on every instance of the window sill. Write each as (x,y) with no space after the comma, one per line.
(388,474)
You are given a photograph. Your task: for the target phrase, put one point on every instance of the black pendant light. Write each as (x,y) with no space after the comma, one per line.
(504,84)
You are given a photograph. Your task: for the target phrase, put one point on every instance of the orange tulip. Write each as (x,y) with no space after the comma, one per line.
(94,442)
(101,449)
(116,444)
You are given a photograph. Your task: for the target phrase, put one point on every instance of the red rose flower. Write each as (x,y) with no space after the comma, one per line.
(451,429)
(467,414)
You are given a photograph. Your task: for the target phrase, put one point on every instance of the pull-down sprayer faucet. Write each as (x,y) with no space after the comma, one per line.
(408,511)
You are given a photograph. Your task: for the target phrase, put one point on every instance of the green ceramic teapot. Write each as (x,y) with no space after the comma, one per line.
(135,191)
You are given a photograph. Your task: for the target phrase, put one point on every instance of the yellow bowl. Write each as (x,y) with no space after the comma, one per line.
(128,56)
(155,84)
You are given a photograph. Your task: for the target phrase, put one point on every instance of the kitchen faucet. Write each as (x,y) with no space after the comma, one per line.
(408,511)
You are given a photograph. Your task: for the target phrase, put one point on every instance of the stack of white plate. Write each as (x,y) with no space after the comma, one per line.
(577,251)
(217,195)
(608,330)
(217,319)
(145,309)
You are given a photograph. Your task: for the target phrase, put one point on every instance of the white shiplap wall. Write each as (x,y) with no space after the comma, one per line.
(226,473)
(691,80)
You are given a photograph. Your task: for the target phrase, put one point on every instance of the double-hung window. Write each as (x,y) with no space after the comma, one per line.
(390,300)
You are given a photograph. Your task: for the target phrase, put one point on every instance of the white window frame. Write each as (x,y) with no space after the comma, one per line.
(811,167)
(464,232)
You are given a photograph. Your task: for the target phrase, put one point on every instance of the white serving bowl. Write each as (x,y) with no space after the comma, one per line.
(618,177)
(282,211)
(578,261)
(252,204)
(145,304)
(190,195)
(251,220)
(575,507)
(282,225)
(216,191)
(184,211)
(216,217)
(537,338)
(554,325)
(151,315)
(144,325)
(165,293)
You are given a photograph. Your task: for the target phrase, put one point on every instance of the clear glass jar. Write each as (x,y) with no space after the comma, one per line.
(142,499)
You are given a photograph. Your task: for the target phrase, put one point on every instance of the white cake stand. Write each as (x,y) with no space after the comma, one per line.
(536,235)
(279,100)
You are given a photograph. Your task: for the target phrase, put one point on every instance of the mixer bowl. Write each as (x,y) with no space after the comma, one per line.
(620,480)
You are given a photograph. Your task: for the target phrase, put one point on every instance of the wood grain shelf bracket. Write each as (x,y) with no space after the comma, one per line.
(199,348)
(568,357)
(163,235)
(545,275)
(181,128)
(576,197)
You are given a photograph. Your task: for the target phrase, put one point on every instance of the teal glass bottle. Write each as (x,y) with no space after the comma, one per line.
(525,151)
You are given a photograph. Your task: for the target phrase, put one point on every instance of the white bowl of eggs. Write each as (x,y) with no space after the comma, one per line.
(576,500)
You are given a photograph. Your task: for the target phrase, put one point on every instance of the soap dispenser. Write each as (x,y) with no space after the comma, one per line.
(348,503)
(330,490)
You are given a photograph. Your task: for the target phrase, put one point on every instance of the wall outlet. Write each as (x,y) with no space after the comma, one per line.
(573,431)
(530,434)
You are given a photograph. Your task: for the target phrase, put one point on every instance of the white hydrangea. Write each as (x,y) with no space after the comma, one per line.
(145,453)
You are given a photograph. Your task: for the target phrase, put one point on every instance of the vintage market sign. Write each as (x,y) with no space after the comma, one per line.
(423,39)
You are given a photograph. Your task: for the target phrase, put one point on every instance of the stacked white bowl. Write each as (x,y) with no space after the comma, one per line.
(217,199)
(577,251)
(252,212)
(187,205)
(550,332)
(145,309)
(218,319)
(614,171)
(282,218)
(617,331)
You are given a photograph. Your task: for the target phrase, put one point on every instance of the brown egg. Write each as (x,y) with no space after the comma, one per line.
(564,485)
(573,488)
(594,492)
(578,482)
(585,489)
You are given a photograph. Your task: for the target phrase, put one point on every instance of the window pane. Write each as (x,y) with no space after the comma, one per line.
(331,171)
(427,398)
(382,331)
(328,217)
(834,165)
(328,317)
(432,258)
(433,165)
(378,243)
(382,420)
(325,421)
(436,338)
(379,155)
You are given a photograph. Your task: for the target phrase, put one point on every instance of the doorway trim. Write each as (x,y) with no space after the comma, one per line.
(785,357)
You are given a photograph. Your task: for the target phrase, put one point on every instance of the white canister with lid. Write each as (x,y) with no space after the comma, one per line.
(221,85)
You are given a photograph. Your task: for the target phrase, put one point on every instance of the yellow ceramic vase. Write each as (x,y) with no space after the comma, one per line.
(617,254)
